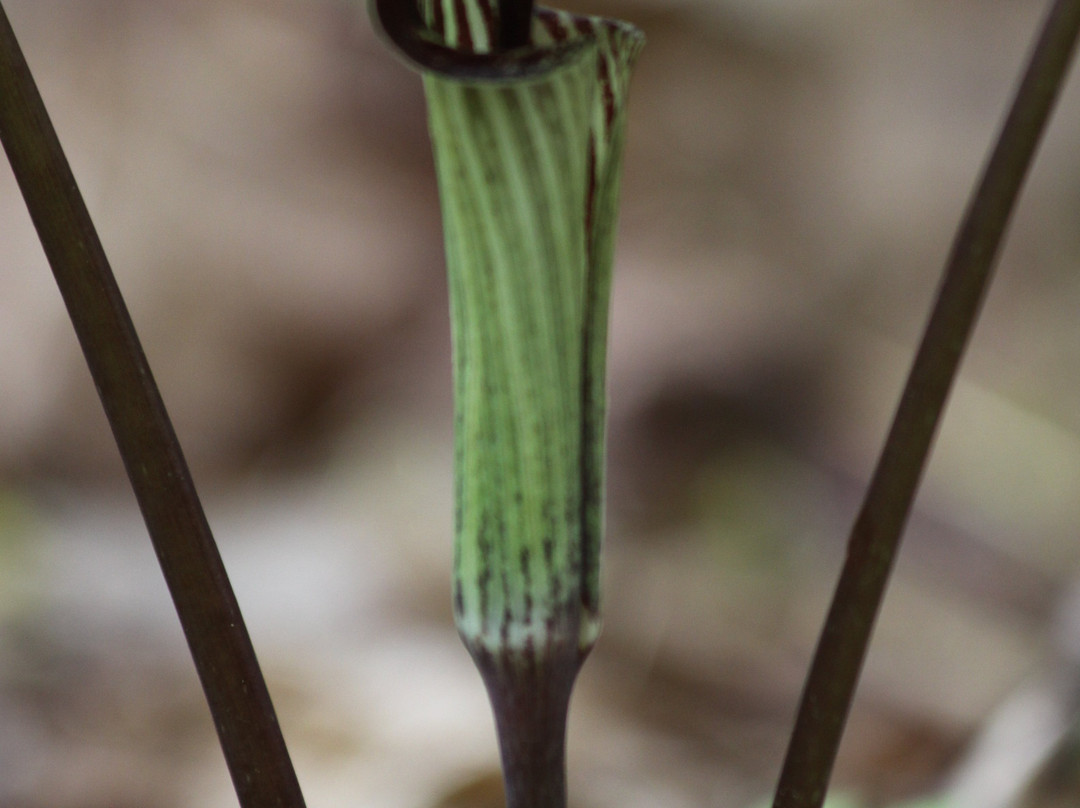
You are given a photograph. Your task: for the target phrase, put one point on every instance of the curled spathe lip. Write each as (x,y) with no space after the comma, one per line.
(400,24)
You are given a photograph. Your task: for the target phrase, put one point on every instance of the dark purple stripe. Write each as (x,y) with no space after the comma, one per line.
(553,23)
(465,41)
(607,87)
(438,20)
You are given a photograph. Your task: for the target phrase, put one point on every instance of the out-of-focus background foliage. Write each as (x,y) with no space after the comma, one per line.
(261,177)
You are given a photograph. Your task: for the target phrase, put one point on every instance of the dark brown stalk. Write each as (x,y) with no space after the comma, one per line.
(876,533)
(220,647)
(530,698)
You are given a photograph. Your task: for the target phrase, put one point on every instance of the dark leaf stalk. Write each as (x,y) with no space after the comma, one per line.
(875,536)
(220,647)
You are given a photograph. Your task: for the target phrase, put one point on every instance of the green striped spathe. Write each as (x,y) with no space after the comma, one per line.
(528,173)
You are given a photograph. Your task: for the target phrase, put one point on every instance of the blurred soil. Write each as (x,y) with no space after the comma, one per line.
(261,177)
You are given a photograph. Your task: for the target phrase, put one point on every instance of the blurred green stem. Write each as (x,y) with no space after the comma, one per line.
(875,536)
(220,647)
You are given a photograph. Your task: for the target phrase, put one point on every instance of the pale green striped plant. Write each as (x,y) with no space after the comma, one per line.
(527,114)
(528,147)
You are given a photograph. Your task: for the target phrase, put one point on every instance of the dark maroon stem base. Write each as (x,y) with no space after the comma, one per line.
(530,697)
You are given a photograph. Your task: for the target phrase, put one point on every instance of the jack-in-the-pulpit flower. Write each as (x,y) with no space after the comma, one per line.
(528,146)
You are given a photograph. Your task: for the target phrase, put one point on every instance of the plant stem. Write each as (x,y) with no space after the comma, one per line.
(876,533)
(220,647)
(530,698)
(528,168)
